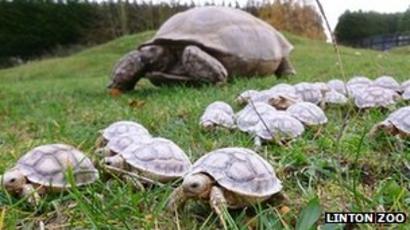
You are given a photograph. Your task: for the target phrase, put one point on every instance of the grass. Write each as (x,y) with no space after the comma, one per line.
(64,100)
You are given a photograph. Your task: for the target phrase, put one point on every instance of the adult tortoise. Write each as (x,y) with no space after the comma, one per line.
(205,44)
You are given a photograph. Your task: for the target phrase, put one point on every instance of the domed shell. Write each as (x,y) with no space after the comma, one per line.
(401,119)
(405,85)
(239,170)
(387,82)
(121,127)
(218,113)
(48,164)
(308,113)
(273,96)
(283,88)
(334,97)
(121,142)
(248,119)
(337,85)
(406,94)
(323,87)
(281,126)
(159,156)
(263,96)
(374,96)
(227,30)
(309,92)
(258,96)
(246,95)
(356,85)
(359,80)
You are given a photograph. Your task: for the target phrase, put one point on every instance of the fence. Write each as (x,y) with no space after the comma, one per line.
(385,42)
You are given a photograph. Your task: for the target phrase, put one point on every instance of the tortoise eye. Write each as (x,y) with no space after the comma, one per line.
(13,180)
(195,185)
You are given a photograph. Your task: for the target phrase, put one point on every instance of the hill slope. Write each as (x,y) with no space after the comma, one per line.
(64,100)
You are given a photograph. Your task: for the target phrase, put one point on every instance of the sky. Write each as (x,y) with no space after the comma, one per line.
(335,8)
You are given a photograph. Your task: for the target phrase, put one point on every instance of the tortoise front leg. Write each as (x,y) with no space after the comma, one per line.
(127,71)
(318,132)
(176,200)
(218,203)
(136,184)
(285,68)
(201,66)
(32,194)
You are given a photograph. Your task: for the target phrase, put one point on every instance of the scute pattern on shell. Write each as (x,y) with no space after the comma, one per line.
(47,165)
(283,88)
(121,142)
(246,95)
(282,126)
(239,170)
(268,96)
(121,127)
(374,96)
(220,28)
(309,92)
(308,113)
(337,85)
(356,85)
(406,94)
(401,119)
(405,85)
(249,121)
(334,97)
(359,80)
(159,156)
(263,96)
(218,113)
(387,82)
(323,87)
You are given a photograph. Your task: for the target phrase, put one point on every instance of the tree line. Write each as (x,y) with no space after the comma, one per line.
(32,28)
(352,27)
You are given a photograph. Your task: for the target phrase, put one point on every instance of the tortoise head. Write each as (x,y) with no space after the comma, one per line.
(197,185)
(13,180)
(132,66)
(282,102)
(114,161)
(385,126)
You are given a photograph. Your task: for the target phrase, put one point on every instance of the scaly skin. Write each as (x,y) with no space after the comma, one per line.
(156,62)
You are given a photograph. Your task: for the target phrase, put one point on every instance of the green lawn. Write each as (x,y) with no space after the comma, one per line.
(65,100)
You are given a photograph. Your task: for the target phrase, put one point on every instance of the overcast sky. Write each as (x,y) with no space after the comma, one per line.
(334,8)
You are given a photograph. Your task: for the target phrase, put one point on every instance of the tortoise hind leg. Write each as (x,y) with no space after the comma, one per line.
(203,67)
(285,68)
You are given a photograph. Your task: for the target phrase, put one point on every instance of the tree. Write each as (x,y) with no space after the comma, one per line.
(404,24)
(355,26)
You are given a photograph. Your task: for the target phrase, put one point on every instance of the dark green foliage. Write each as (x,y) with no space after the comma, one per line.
(404,24)
(354,26)
(29,28)
(32,28)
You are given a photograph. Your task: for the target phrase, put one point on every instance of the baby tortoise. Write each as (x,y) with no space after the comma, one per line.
(227,178)
(44,169)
